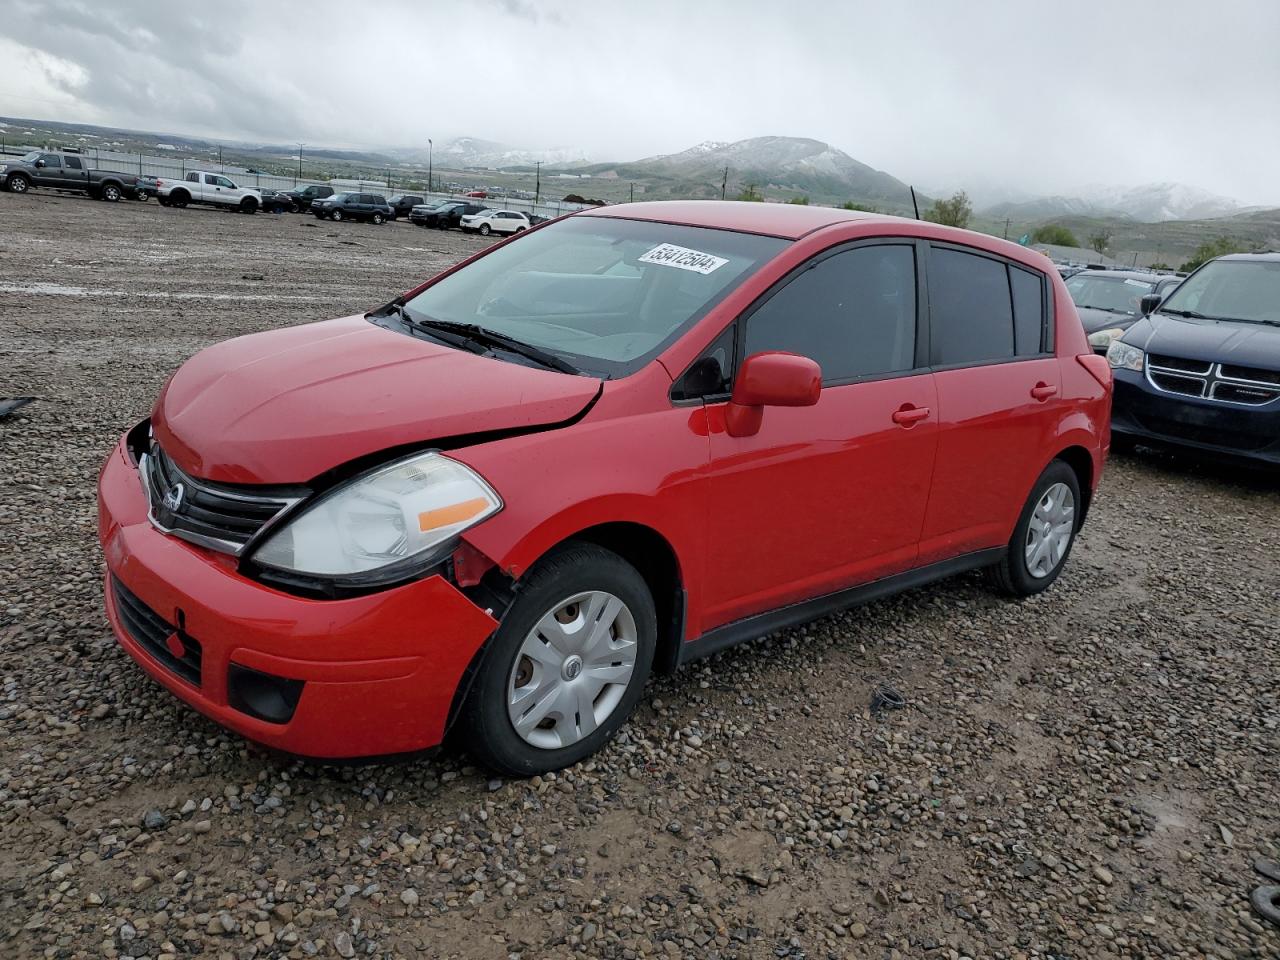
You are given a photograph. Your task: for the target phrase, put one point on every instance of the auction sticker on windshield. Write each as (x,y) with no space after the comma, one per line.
(669,255)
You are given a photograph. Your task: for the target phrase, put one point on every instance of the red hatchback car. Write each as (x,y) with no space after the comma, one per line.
(618,442)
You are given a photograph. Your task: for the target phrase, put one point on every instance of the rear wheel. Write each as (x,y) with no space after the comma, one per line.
(1043,535)
(110,192)
(377,218)
(179,198)
(18,183)
(566,666)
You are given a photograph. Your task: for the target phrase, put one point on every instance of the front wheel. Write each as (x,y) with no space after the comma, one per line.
(336,215)
(485,230)
(248,205)
(1043,535)
(566,666)
(19,184)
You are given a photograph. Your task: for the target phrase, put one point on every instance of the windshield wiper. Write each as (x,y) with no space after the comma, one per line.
(1090,306)
(1190,313)
(478,334)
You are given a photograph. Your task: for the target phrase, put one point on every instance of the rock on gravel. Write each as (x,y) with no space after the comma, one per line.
(1088,773)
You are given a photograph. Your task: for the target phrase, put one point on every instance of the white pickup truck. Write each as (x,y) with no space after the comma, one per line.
(200,186)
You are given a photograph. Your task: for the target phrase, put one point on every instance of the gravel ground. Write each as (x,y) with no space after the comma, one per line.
(1087,774)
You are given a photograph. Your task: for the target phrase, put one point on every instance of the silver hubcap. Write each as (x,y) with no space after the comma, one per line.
(1049,530)
(18,185)
(572,670)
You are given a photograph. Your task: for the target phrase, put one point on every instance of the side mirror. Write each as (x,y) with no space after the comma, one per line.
(1150,302)
(39,163)
(773,379)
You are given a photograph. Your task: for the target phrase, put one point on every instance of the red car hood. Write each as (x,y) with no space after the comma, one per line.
(285,406)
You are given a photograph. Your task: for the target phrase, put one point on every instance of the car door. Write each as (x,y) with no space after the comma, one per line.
(50,174)
(74,174)
(999,396)
(827,496)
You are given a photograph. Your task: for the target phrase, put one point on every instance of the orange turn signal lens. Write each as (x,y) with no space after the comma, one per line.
(454,513)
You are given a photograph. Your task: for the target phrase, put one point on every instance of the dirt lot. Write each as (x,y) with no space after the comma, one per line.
(1088,774)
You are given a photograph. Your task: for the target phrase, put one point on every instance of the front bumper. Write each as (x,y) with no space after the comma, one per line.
(378,672)
(1227,430)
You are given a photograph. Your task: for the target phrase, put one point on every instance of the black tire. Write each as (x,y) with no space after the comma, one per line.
(484,727)
(521,229)
(249,205)
(1012,575)
(336,216)
(179,198)
(110,192)
(378,219)
(17,183)
(485,230)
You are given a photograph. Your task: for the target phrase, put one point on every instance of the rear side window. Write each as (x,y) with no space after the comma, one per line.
(73,163)
(854,313)
(970,307)
(1028,311)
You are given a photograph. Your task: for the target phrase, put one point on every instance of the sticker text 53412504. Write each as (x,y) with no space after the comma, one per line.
(669,255)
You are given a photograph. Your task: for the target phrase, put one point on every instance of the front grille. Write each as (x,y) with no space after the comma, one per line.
(1178,383)
(1252,374)
(1201,367)
(171,647)
(1223,382)
(213,515)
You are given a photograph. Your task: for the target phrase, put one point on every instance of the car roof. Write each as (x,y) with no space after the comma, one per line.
(1145,275)
(790,221)
(1270,256)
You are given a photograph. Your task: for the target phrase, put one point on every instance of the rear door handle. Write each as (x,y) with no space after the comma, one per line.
(908,414)
(1043,391)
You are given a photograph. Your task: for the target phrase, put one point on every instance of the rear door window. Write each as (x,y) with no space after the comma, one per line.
(971,308)
(1028,311)
(853,312)
(73,163)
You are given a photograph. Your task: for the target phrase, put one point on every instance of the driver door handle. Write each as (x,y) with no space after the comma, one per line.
(1043,391)
(908,414)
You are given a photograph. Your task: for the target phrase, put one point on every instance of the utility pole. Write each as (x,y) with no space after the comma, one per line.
(431,149)
(1006,228)
(220,166)
(724,183)
(299,177)
(633,191)
(537,186)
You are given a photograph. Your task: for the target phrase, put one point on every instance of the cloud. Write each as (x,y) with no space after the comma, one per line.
(1017,96)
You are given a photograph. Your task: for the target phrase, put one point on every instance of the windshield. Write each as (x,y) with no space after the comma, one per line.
(28,157)
(1231,290)
(1117,294)
(341,196)
(606,294)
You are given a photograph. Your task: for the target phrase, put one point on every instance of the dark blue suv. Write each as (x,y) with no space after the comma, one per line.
(1202,371)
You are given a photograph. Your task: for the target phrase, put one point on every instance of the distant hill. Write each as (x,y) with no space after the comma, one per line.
(465,153)
(793,165)
(1149,203)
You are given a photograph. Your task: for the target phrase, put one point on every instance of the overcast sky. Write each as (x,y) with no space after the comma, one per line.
(1041,97)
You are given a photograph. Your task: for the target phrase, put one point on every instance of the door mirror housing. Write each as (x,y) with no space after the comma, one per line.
(39,163)
(1150,302)
(772,379)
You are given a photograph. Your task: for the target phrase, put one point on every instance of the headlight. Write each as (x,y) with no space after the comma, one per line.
(1103,338)
(393,519)
(1123,355)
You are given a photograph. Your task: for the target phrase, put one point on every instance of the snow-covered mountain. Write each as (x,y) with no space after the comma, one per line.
(468,152)
(1149,203)
(795,163)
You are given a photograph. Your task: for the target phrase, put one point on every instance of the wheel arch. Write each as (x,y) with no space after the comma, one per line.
(1080,460)
(642,546)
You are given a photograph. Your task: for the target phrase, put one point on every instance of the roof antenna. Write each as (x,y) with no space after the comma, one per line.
(913,202)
